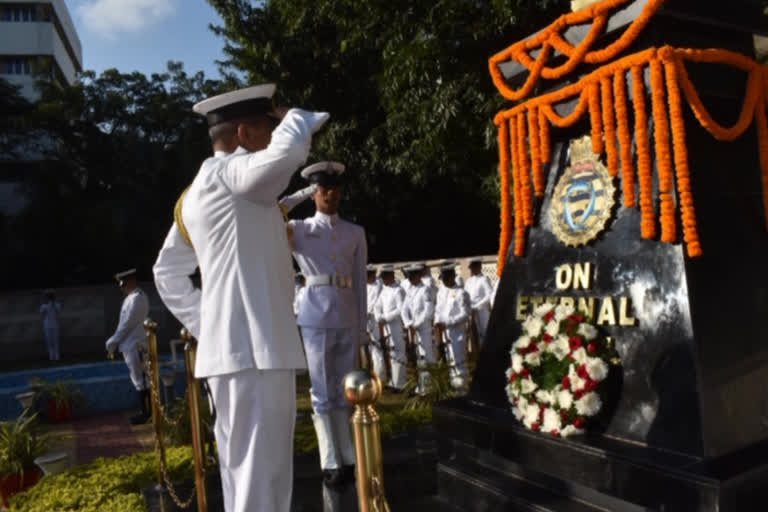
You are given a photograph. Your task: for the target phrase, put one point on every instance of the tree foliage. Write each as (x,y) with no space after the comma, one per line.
(411,100)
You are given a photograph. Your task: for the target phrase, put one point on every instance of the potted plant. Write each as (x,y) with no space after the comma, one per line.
(60,396)
(20,443)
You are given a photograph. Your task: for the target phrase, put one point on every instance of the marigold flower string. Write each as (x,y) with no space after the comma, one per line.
(625,139)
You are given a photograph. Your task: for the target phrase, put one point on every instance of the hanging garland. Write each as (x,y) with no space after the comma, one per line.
(608,112)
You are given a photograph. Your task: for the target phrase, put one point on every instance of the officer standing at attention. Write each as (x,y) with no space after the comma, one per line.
(130,339)
(49,311)
(480,294)
(451,318)
(373,289)
(332,254)
(417,314)
(388,310)
(229,224)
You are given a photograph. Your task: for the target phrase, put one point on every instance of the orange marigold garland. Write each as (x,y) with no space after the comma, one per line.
(690,234)
(596,118)
(609,125)
(545,150)
(663,155)
(647,223)
(506,214)
(533,134)
(625,139)
(525,171)
(762,137)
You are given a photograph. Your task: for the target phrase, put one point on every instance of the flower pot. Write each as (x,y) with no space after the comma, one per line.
(59,413)
(14,484)
(26,399)
(53,463)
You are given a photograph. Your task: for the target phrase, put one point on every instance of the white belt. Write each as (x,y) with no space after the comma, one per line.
(329,280)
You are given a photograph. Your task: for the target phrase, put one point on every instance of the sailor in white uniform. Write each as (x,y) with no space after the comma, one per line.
(480,294)
(130,339)
(373,289)
(332,254)
(228,224)
(417,313)
(388,310)
(451,318)
(49,311)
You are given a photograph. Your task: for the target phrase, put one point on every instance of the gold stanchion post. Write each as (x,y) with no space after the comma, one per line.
(193,391)
(363,389)
(150,327)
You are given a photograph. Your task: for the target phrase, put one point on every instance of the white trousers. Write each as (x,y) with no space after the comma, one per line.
(331,354)
(424,344)
(255,419)
(51,336)
(379,363)
(481,321)
(135,368)
(398,358)
(457,351)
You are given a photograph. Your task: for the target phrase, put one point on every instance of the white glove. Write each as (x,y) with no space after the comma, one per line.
(290,202)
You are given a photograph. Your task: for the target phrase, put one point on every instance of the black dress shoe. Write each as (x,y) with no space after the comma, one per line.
(333,477)
(349,472)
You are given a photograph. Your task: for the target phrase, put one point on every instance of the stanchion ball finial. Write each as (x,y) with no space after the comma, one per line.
(150,324)
(362,387)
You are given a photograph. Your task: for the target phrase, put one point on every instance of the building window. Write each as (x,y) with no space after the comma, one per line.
(27,13)
(16,66)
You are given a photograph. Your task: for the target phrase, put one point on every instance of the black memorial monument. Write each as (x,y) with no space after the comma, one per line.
(687,429)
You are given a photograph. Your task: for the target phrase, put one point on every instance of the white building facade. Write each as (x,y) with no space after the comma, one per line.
(38,39)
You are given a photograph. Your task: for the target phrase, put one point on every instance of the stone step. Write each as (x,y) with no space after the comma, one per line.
(468,485)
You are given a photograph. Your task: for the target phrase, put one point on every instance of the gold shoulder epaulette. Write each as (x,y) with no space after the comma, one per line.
(179,220)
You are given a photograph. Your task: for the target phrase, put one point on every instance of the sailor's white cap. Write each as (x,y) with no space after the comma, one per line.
(323,173)
(131,272)
(256,100)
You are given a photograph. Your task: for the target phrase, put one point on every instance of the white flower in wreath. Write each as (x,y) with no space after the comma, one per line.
(553,328)
(509,373)
(527,386)
(565,399)
(517,363)
(588,331)
(510,389)
(562,312)
(570,430)
(533,325)
(533,359)
(597,369)
(522,403)
(543,309)
(551,421)
(545,397)
(580,356)
(522,342)
(515,391)
(517,412)
(577,383)
(589,404)
(531,414)
(560,348)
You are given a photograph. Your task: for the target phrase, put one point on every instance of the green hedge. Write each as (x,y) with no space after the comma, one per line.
(113,485)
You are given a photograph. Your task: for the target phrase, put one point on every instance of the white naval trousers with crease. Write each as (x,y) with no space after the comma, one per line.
(457,349)
(424,344)
(51,335)
(378,356)
(135,364)
(397,356)
(255,420)
(331,354)
(481,321)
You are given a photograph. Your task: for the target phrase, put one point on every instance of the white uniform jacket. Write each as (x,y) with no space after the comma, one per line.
(418,307)
(243,318)
(130,329)
(480,292)
(389,306)
(326,245)
(452,308)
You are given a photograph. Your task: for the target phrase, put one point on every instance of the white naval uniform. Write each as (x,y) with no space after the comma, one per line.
(129,337)
(332,254)
(301,291)
(50,311)
(418,310)
(388,309)
(429,282)
(372,327)
(480,296)
(249,345)
(453,311)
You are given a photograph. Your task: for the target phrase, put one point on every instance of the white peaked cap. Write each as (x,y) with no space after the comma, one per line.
(328,167)
(242,102)
(125,273)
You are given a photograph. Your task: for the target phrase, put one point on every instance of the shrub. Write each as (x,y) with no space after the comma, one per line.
(20,443)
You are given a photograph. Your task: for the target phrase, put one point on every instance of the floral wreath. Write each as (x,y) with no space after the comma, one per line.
(556,369)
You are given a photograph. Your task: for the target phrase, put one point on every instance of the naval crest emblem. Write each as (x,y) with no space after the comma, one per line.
(583,198)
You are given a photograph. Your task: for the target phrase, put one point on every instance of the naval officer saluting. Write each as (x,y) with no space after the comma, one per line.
(228,224)
(331,253)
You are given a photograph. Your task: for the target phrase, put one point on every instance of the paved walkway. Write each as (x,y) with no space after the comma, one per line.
(109,435)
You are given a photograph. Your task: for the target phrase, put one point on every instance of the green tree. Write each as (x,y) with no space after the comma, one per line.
(408,87)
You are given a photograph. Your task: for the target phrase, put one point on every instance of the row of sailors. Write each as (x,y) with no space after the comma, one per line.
(429,317)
